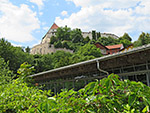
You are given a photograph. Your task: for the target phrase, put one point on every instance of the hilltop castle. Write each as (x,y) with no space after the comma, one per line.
(44,46)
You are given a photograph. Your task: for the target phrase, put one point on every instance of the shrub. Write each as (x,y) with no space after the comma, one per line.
(103,96)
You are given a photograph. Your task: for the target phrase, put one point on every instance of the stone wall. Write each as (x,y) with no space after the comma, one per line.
(85,34)
(45,48)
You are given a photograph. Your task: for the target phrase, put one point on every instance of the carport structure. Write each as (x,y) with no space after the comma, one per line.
(132,65)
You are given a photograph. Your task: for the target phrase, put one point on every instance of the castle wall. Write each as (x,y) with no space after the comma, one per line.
(45,48)
(85,34)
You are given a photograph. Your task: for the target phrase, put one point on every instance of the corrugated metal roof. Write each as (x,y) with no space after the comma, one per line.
(138,49)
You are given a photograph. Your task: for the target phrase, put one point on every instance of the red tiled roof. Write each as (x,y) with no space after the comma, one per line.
(54,26)
(114,46)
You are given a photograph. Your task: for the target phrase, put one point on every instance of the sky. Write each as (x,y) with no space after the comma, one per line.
(25,22)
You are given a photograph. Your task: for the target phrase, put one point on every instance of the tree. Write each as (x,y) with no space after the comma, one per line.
(65,45)
(125,36)
(86,40)
(5,74)
(58,44)
(89,50)
(143,39)
(27,49)
(76,36)
(98,35)
(108,41)
(125,42)
(53,39)
(58,58)
(14,55)
(63,33)
(94,35)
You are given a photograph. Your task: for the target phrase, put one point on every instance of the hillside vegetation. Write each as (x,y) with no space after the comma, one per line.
(84,49)
(106,95)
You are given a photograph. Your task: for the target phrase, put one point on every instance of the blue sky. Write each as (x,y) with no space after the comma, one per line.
(25,22)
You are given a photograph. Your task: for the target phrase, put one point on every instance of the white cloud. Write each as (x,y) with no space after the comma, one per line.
(106,3)
(109,16)
(16,45)
(40,13)
(64,13)
(17,23)
(39,3)
(46,28)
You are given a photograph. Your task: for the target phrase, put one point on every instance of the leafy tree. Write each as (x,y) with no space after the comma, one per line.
(58,44)
(14,55)
(53,39)
(17,96)
(108,95)
(6,75)
(76,36)
(89,50)
(125,42)
(19,57)
(125,36)
(6,51)
(94,35)
(143,39)
(65,45)
(43,62)
(63,33)
(104,41)
(27,50)
(86,40)
(58,58)
(98,35)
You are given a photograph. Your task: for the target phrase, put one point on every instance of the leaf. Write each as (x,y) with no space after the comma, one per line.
(145,109)
(39,110)
(131,99)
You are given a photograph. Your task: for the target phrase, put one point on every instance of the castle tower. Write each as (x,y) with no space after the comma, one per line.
(51,32)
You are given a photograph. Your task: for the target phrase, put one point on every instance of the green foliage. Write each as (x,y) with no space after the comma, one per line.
(125,36)
(143,39)
(25,70)
(61,58)
(63,33)
(53,40)
(94,35)
(27,50)
(86,40)
(5,74)
(89,50)
(58,44)
(65,45)
(108,41)
(14,55)
(103,96)
(76,36)
(125,42)
(16,96)
(98,35)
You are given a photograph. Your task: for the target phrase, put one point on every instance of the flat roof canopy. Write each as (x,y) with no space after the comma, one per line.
(135,56)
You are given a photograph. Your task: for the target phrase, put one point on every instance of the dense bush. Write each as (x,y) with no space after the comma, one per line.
(107,95)
(102,96)
(16,96)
